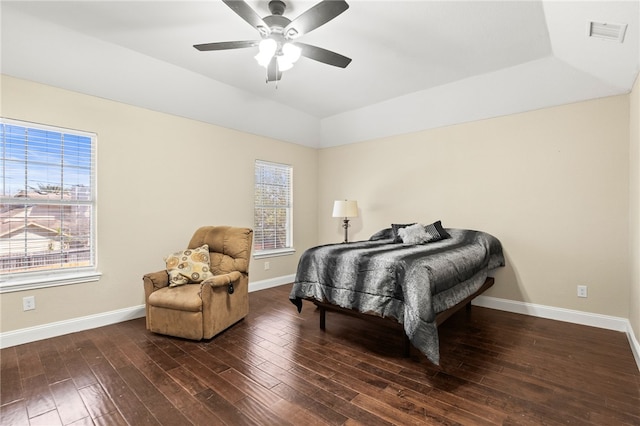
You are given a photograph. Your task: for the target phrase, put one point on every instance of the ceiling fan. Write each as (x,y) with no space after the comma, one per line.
(277,48)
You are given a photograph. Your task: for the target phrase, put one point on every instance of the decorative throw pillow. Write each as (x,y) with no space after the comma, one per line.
(188,266)
(437,231)
(395,227)
(415,234)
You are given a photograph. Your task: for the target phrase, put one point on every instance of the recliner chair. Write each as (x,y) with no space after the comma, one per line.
(202,310)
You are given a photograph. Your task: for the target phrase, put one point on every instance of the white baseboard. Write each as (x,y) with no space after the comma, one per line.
(635,345)
(566,315)
(54,329)
(271,282)
(551,312)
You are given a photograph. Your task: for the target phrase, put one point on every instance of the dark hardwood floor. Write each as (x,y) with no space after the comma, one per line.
(277,368)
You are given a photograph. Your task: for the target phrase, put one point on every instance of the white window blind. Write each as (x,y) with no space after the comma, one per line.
(273,207)
(47,215)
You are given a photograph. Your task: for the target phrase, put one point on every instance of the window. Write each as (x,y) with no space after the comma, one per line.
(273,222)
(47,214)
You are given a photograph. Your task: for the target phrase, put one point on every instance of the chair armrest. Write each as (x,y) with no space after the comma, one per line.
(155,281)
(152,282)
(222,280)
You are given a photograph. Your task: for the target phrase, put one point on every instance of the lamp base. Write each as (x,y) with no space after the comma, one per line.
(345,225)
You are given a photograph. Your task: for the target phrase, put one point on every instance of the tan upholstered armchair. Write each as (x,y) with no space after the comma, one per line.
(200,311)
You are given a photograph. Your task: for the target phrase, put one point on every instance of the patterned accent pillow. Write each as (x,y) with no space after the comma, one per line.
(188,266)
(415,234)
(437,231)
(395,227)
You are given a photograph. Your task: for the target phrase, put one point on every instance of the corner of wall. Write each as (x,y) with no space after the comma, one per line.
(634,208)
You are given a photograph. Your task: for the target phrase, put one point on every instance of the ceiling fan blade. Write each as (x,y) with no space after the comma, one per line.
(225,45)
(323,55)
(273,73)
(318,15)
(247,13)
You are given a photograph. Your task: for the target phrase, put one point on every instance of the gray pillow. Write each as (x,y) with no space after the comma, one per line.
(415,234)
(383,234)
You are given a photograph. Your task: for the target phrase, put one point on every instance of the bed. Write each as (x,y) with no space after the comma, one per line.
(415,284)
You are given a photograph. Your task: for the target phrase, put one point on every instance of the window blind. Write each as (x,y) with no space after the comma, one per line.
(48,198)
(272,206)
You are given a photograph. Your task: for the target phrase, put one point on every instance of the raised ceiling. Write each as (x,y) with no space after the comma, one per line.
(416,64)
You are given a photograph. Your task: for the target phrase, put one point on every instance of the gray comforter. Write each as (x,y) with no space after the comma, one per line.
(411,283)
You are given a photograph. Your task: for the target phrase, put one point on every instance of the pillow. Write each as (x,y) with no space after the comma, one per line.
(415,234)
(383,234)
(437,231)
(188,266)
(395,227)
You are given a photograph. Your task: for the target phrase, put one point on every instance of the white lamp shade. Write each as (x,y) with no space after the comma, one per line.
(345,208)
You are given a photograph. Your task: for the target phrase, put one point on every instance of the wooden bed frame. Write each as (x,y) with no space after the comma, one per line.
(440,318)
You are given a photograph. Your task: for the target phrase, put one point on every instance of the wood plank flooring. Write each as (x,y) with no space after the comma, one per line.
(277,368)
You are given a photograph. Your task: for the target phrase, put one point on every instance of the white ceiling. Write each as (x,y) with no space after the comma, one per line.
(416,64)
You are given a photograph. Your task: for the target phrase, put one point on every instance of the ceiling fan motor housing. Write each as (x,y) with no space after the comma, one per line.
(277,7)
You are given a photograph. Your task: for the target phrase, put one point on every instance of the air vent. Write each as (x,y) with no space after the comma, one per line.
(607,31)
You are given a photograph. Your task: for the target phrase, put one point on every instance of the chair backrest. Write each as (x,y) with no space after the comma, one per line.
(229,247)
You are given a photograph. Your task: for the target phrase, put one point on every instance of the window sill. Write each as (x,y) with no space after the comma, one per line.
(42,281)
(274,253)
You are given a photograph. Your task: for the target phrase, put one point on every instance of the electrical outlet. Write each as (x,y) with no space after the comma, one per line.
(582,291)
(28,303)
(267,266)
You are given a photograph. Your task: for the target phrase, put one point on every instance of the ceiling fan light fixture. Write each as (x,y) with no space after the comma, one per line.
(291,52)
(283,63)
(289,55)
(266,49)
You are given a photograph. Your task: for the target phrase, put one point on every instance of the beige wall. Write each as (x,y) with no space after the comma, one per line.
(634,207)
(159,178)
(552,185)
